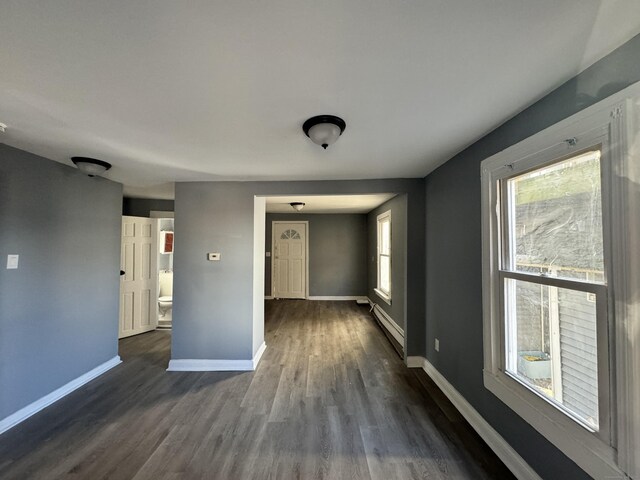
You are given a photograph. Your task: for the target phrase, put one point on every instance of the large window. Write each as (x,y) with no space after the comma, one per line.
(561,258)
(384,256)
(553,281)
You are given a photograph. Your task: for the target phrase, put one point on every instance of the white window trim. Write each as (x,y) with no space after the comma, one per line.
(618,118)
(384,295)
(386,298)
(595,138)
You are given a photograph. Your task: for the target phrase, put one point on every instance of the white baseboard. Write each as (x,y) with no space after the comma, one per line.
(33,408)
(389,323)
(514,462)
(415,362)
(258,355)
(205,365)
(338,297)
(326,298)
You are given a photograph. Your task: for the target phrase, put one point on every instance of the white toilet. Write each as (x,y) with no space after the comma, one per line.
(165,298)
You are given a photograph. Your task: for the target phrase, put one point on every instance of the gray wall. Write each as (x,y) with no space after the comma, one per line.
(337,253)
(454,273)
(59,309)
(398,207)
(140,207)
(212,300)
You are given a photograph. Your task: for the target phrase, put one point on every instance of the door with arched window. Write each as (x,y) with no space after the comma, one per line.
(289,276)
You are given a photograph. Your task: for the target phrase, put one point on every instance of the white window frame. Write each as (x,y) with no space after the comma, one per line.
(383,294)
(613,124)
(590,141)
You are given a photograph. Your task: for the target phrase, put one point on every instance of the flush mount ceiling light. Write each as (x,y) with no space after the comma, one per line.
(297,206)
(91,166)
(324,130)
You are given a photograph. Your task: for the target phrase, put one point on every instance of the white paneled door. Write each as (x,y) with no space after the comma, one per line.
(289,278)
(138,285)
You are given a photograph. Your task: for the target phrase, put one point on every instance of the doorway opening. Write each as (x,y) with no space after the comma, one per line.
(146,268)
(328,251)
(165,229)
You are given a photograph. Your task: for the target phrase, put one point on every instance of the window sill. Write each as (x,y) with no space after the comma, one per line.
(582,446)
(386,298)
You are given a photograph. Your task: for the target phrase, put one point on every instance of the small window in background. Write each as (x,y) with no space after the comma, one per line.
(384,256)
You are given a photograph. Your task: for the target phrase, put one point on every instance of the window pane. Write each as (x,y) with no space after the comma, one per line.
(551,344)
(555,219)
(385,278)
(385,237)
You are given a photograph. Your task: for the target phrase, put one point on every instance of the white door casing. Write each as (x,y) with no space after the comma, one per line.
(139,284)
(290,259)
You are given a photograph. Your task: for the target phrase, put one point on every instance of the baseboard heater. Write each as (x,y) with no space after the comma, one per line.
(390,328)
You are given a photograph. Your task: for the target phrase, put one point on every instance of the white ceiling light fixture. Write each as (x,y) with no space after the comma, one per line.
(91,166)
(3,127)
(324,130)
(297,206)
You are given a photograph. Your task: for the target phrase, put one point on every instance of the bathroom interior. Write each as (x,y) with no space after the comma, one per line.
(165,272)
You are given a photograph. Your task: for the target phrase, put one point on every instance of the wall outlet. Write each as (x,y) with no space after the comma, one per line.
(267,254)
(437,345)
(213,257)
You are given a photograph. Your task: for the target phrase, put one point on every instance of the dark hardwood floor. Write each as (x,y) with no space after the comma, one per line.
(329,400)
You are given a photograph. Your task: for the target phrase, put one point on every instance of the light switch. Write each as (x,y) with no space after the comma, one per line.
(213,257)
(12,262)
(267,254)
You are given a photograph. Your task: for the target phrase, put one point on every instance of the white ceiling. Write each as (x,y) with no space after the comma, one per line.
(218,90)
(328,203)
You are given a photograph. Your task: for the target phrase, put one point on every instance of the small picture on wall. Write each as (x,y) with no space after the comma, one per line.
(166,242)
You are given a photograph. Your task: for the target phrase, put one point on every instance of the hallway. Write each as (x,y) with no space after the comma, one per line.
(330,399)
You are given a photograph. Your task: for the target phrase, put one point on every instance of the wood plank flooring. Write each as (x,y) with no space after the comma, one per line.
(329,400)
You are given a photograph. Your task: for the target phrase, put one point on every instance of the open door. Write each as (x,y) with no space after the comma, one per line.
(139,283)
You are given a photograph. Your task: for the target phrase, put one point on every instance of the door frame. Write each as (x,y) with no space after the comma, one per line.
(306,246)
